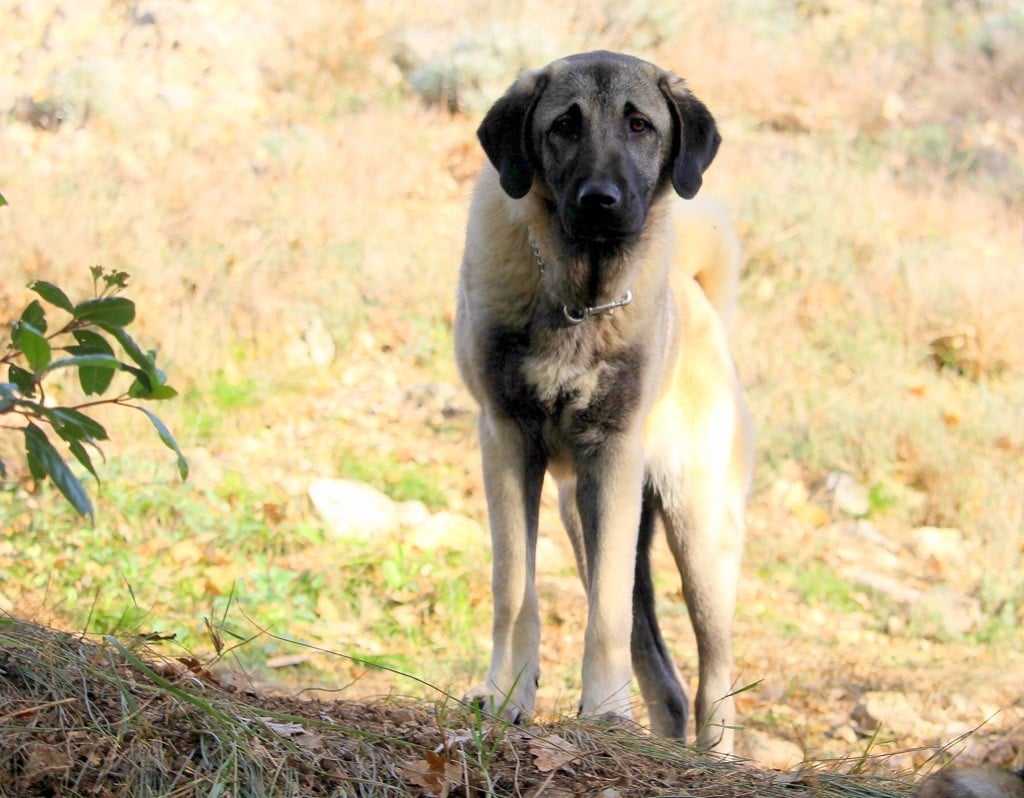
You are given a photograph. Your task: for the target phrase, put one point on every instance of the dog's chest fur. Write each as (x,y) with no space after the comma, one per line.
(562,383)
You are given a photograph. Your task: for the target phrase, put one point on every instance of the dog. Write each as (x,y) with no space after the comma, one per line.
(591,330)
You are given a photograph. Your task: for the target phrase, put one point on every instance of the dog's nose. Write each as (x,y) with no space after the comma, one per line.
(599,195)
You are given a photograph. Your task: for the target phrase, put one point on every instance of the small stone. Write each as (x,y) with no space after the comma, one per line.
(892,712)
(412,513)
(945,545)
(353,509)
(769,751)
(848,495)
(944,612)
(446,530)
(983,782)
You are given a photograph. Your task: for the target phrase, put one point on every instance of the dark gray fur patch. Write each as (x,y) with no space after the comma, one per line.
(613,403)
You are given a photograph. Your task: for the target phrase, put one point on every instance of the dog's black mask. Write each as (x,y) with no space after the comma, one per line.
(600,135)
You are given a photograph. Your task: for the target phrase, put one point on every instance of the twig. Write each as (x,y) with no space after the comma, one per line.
(38,708)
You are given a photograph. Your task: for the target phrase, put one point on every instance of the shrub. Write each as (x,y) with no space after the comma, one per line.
(85,343)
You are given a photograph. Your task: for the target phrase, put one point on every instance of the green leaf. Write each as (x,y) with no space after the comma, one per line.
(35,468)
(35,316)
(93,342)
(157,392)
(3,468)
(94,381)
(96,360)
(52,294)
(23,379)
(39,448)
(169,442)
(162,392)
(82,456)
(110,312)
(142,388)
(32,343)
(147,362)
(2,201)
(73,424)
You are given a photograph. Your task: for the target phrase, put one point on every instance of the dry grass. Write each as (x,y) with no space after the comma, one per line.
(85,717)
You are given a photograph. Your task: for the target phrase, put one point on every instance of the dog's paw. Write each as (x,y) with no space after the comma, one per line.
(491,702)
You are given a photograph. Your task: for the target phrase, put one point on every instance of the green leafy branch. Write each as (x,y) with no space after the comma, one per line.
(85,343)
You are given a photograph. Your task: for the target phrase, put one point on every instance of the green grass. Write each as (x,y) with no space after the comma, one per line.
(402,481)
(176,561)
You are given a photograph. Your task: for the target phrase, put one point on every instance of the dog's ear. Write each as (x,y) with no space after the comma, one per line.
(505,133)
(695,137)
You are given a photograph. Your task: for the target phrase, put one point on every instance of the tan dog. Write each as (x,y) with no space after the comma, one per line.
(590,331)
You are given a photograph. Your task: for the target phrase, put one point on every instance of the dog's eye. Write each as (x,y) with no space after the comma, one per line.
(567,126)
(637,124)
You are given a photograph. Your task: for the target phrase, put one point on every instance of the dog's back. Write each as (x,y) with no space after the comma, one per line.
(709,252)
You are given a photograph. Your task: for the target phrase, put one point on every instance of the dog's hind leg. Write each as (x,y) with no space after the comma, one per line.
(706,539)
(513,466)
(571,521)
(666,699)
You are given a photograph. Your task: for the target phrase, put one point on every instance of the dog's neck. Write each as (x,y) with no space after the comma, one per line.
(585,286)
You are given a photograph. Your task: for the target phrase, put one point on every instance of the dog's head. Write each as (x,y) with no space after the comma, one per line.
(603,135)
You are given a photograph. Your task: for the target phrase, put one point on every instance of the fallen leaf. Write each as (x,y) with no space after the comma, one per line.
(811,513)
(284,729)
(433,773)
(553,753)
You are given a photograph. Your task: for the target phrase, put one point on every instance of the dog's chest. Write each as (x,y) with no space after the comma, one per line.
(564,385)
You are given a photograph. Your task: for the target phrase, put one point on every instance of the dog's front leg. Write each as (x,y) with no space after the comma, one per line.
(609,493)
(513,468)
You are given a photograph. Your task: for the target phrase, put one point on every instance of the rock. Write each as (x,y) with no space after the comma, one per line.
(319,342)
(868,532)
(888,586)
(972,783)
(893,713)
(767,750)
(353,509)
(945,546)
(446,530)
(412,514)
(309,342)
(943,612)
(848,495)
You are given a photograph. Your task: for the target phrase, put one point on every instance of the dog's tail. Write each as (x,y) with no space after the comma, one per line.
(709,251)
(667,703)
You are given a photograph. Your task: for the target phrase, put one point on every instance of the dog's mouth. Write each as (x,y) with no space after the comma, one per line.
(587,226)
(587,234)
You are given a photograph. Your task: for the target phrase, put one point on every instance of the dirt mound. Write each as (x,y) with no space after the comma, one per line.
(83,716)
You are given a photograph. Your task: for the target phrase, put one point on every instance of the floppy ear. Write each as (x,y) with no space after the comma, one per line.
(695,138)
(505,133)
